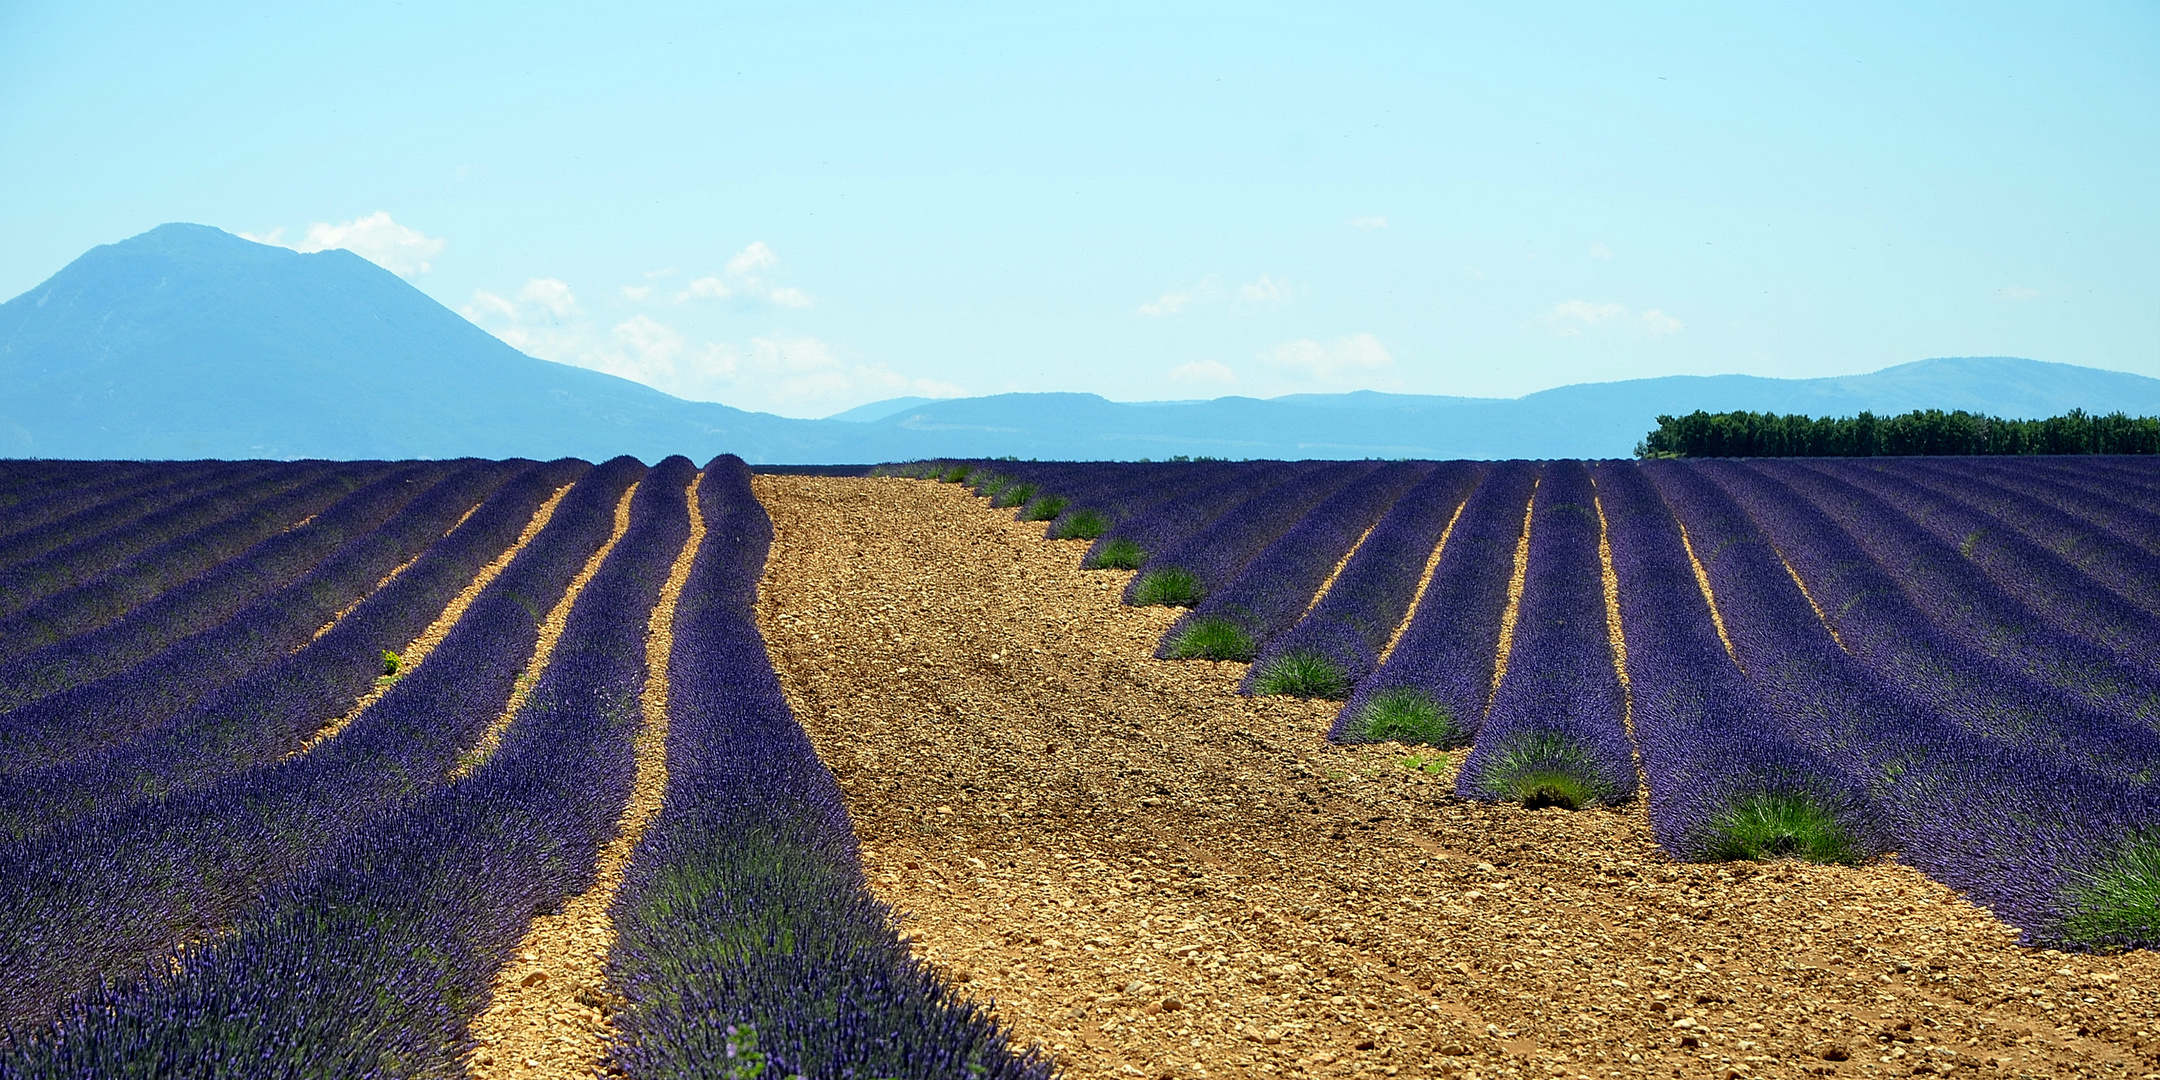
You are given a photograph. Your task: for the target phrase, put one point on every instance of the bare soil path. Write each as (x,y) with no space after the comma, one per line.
(1155,877)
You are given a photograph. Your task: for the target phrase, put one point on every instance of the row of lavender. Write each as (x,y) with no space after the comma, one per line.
(1890,644)
(187,892)
(131,871)
(744,924)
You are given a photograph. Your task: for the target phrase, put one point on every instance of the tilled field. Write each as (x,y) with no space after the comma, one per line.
(1153,876)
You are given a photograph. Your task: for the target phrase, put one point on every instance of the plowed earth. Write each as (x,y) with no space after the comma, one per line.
(1153,876)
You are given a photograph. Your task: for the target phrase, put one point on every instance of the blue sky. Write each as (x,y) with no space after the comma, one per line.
(802,210)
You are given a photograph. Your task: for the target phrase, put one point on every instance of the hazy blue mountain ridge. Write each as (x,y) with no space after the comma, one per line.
(1582,420)
(187,341)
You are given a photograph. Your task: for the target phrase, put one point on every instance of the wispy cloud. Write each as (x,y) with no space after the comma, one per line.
(1353,362)
(1177,300)
(1574,318)
(2016,294)
(1266,291)
(1570,318)
(791,374)
(404,251)
(541,319)
(748,277)
(1204,375)
(1369,222)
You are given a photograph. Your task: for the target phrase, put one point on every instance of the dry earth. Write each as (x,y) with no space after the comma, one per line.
(1153,876)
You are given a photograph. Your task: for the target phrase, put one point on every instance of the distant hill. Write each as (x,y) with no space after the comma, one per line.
(1582,420)
(187,341)
(190,342)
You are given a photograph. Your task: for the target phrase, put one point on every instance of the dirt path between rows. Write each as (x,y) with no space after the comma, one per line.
(1152,876)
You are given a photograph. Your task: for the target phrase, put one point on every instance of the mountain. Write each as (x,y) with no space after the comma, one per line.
(190,342)
(187,341)
(1582,420)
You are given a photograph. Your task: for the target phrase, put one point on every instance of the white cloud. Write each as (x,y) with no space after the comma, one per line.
(1573,318)
(1658,324)
(397,248)
(750,260)
(705,288)
(1570,318)
(2016,293)
(1177,300)
(543,319)
(550,293)
(636,293)
(747,276)
(1353,356)
(401,250)
(1268,291)
(1206,374)
(1600,252)
(1369,222)
(793,375)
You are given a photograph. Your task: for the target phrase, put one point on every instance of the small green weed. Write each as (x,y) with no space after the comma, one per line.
(1775,826)
(391,662)
(1212,638)
(2119,903)
(1118,555)
(958,474)
(1306,675)
(1084,525)
(1043,509)
(990,487)
(1429,764)
(1170,587)
(1544,769)
(1013,495)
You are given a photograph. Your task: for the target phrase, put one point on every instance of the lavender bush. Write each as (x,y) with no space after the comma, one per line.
(1444,660)
(1554,733)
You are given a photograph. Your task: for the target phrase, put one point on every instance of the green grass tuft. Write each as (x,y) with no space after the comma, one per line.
(2119,903)
(1084,525)
(1406,714)
(1304,674)
(990,487)
(1429,764)
(1043,509)
(1544,769)
(1117,555)
(1775,826)
(1212,638)
(1168,587)
(1013,495)
(958,474)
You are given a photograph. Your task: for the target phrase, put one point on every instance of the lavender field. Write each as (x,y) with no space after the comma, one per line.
(1951,660)
(298,751)
(299,754)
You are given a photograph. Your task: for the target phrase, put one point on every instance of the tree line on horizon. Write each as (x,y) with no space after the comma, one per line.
(1922,432)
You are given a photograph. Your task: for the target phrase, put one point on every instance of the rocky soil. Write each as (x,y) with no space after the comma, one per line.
(1152,876)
